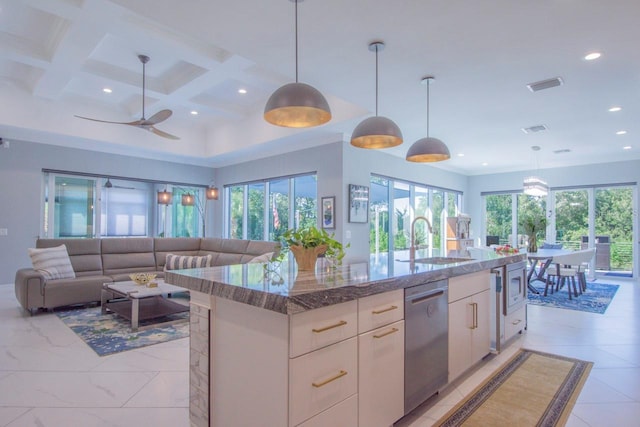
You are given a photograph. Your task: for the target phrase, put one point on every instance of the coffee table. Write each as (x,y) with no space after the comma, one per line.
(138,302)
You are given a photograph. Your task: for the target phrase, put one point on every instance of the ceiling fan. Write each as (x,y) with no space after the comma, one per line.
(144,123)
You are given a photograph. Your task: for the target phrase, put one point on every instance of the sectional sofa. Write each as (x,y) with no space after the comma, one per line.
(97,261)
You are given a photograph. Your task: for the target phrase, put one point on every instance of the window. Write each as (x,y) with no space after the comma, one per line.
(77,206)
(498,218)
(394,204)
(271,207)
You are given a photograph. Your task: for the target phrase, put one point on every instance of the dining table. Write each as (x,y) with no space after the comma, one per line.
(542,257)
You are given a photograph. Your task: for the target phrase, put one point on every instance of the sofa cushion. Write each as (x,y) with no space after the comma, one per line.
(53,263)
(84,254)
(179,262)
(131,255)
(174,245)
(262,258)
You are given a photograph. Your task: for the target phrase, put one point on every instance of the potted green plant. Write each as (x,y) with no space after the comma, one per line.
(532,224)
(308,243)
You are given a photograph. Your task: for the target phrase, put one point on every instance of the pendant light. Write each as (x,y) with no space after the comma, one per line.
(297,105)
(188,199)
(377,131)
(534,185)
(165,197)
(428,150)
(212,192)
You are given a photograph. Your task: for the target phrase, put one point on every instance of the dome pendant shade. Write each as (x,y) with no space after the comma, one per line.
(428,150)
(297,105)
(376,132)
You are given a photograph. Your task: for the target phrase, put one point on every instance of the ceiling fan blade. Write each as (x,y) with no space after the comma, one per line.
(136,123)
(158,117)
(161,133)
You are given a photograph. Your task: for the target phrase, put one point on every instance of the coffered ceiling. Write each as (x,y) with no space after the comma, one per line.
(56,56)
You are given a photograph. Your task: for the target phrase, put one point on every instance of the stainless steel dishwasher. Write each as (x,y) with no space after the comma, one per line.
(426,357)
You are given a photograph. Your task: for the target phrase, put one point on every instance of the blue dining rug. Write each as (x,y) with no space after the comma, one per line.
(595,299)
(110,333)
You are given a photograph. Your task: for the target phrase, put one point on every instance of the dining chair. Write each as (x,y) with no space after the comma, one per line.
(566,269)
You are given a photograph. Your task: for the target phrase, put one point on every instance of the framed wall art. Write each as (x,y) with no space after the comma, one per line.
(328,212)
(358,203)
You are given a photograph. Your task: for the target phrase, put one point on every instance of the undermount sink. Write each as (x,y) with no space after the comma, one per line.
(440,260)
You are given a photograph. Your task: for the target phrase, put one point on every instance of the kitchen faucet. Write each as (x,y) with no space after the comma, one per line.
(412,248)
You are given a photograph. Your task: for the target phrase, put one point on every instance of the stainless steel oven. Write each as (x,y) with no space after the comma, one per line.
(515,287)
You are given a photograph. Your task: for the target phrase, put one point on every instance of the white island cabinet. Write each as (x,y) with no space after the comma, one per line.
(381,359)
(469,318)
(306,369)
(279,347)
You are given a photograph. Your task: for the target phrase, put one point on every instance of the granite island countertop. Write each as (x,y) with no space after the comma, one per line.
(284,289)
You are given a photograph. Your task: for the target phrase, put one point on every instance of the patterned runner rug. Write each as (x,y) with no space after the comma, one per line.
(110,333)
(595,299)
(531,389)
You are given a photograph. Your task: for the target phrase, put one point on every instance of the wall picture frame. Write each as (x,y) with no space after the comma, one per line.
(328,212)
(358,203)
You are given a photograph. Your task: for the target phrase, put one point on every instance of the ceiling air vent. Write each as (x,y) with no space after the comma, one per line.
(545,84)
(561,151)
(534,129)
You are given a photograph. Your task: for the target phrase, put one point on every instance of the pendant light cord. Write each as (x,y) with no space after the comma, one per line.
(376,80)
(296,27)
(428,84)
(143,88)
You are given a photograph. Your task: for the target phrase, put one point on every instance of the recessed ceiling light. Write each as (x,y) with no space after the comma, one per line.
(615,109)
(485,164)
(460,154)
(107,90)
(242,91)
(194,113)
(593,55)
(626,147)
(621,132)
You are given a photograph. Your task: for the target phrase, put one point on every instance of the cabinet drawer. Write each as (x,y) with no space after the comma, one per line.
(468,284)
(344,414)
(321,327)
(379,310)
(322,378)
(515,322)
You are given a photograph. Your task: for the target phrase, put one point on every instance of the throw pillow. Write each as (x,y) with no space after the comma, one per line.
(262,258)
(52,263)
(179,262)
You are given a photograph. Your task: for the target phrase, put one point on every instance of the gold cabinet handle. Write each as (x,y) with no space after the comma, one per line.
(326,328)
(393,307)
(475,315)
(386,333)
(327,381)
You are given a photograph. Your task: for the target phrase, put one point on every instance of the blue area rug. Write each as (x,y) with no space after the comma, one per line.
(618,274)
(110,333)
(595,299)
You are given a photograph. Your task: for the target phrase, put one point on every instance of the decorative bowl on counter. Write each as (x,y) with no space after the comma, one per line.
(142,278)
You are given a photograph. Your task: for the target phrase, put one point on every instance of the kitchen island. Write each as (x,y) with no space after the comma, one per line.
(264,339)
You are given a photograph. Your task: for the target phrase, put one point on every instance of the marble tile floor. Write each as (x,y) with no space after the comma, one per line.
(50,378)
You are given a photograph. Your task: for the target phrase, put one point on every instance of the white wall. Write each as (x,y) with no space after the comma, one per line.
(21,186)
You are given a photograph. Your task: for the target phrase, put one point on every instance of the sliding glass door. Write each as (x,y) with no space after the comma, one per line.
(614,230)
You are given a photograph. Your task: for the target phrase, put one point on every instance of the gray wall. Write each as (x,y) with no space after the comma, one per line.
(21,186)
